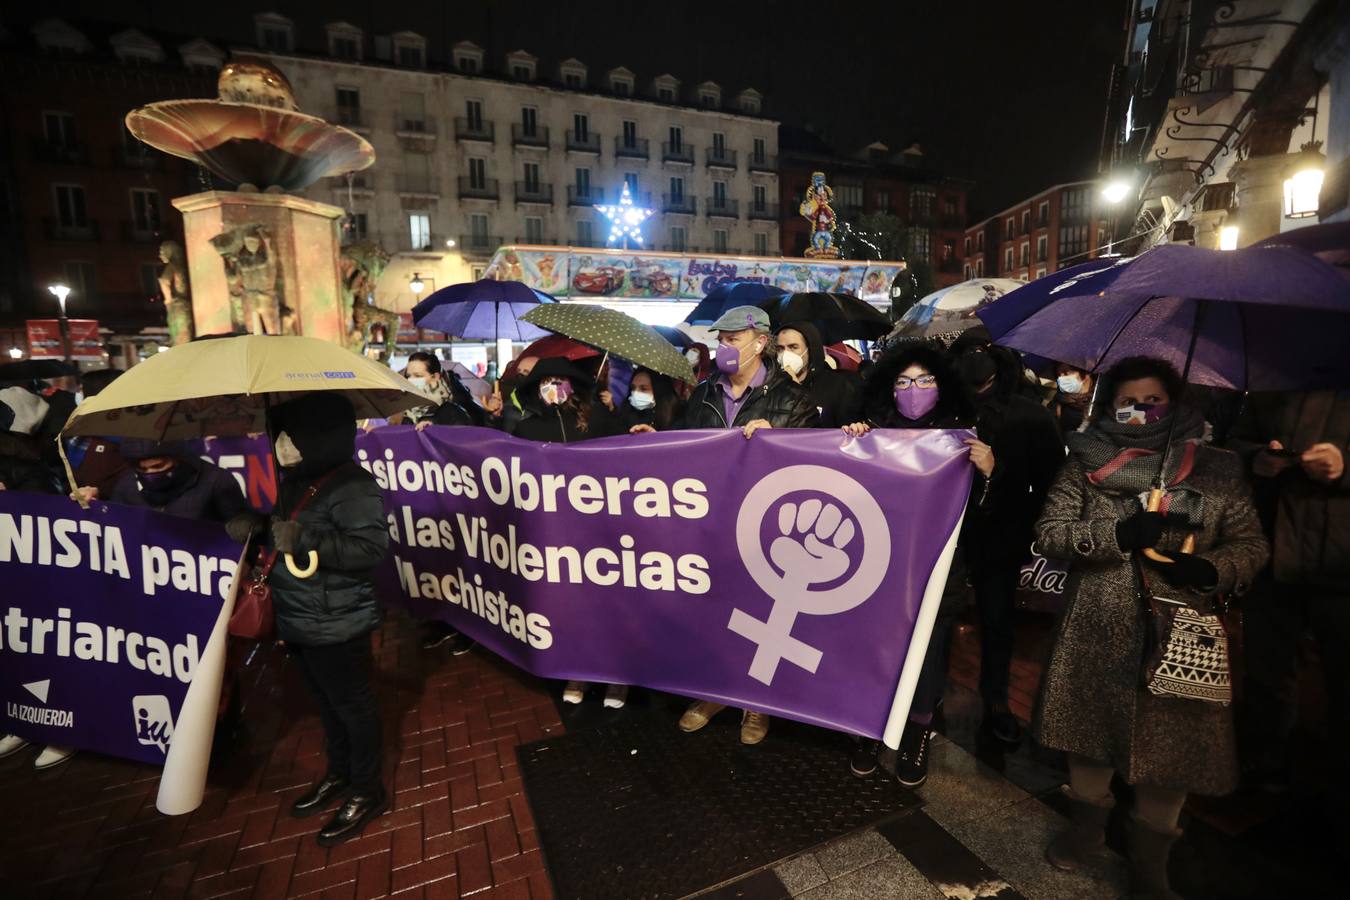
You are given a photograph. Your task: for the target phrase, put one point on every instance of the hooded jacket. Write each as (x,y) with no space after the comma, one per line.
(835,394)
(343,523)
(560,424)
(779,400)
(202,491)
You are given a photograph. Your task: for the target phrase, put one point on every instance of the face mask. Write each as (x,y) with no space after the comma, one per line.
(421,385)
(158,481)
(79,397)
(693,356)
(642,400)
(1069,384)
(975,368)
(914,403)
(1142,413)
(729,358)
(287,453)
(555,393)
(790,362)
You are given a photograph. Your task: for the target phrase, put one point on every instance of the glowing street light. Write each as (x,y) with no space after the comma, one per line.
(1228,237)
(1303,187)
(625,219)
(417,286)
(16,353)
(449,242)
(60,292)
(1116,191)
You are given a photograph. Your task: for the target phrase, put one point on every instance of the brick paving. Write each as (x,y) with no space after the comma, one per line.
(458,826)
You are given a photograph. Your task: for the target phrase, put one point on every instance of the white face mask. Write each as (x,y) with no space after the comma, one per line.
(791,362)
(287,454)
(420,384)
(642,400)
(1069,384)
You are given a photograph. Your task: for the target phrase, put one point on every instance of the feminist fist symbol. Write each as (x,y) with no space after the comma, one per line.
(809,550)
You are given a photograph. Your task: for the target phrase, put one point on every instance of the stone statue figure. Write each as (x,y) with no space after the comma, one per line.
(256,293)
(173,288)
(369,328)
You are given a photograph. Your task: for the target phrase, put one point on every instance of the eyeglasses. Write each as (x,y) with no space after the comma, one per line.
(925,382)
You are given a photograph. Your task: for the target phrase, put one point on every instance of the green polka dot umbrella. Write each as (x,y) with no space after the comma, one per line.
(615,333)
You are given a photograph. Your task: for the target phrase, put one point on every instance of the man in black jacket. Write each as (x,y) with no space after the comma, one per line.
(749,392)
(1025,444)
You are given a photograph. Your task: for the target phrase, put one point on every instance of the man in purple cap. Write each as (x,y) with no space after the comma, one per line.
(748,392)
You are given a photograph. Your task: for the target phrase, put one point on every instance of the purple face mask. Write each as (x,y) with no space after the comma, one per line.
(728,359)
(914,403)
(1143,413)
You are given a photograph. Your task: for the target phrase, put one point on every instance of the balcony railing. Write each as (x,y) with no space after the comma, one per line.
(721,158)
(355,119)
(477,188)
(423,127)
(762,162)
(677,203)
(636,148)
(723,207)
(419,185)
(677,153)
(587,196)
(68,152)
(474,130)
(533,192)
(432,242)
(479,243)
(56,230)
(135,233)
(532,137)
(764,211)
(543,240)
(585,142)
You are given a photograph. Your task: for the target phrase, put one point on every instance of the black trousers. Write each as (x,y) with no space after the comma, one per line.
(339,675)
(995,590)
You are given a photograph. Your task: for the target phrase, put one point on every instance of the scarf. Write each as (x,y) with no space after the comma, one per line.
(439,394)
(1123,460)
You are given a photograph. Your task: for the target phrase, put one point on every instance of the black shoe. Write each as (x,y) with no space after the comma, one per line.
(318,798)
(863,762)
(1002,725)
(352,817)
(436,633)
(939,723)
(911,760)
(461,644)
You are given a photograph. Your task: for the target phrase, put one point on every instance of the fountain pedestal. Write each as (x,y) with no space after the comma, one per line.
(304,244)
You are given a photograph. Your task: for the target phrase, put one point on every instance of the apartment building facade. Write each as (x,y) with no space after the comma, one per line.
(1060,226)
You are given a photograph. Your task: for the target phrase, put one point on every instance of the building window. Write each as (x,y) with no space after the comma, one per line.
(572,80)
(581,127)
(59,129)
(1043,214)
(719,144)
(979,268)
(477,172)
(965,247)
(920,243)
(948,250)
(1042,248)
(413,111)
(622,87)
(467,64)
(979,242)
(883,200)
(677,190)
(529,121)
(1073,241)
(951,207)
(1073,204)
(665,95)
(1040,271)
(1103,238)
(707,100)
(344,46)
(630,180)
(1010,229)
(79,277)
(719,240)
(583,182)
(584,233)
(850,196)
(629,133)
(348,106)
(965,272)
(473,115)
(534,229)
(532,185)
(144,211)
(758,151)
(70,207)
(419,231)
(478,229)
(750,105)
(679,238)
(522,72)
(719,194)
(761,244)
(409,56)
(760,198)
(1008,259)
(921,201)
(1026,221)
(275,37)
(676,139)
(358,226)
(1025,255)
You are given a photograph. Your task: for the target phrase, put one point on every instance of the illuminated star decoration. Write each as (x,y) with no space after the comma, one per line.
(625,219)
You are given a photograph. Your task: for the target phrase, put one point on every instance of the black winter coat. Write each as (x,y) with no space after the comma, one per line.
(345,524)
(559,424)
(212,495)
(21,468)
(779,400)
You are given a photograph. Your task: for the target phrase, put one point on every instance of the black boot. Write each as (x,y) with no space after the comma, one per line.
(352,817)
(1149,851)
(1086,834)
(911,761)
(319,797)
(1000,724)
(863,762)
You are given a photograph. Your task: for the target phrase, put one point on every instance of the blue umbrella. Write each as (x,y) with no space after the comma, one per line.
(729,295)
(483,310)
(1087,279)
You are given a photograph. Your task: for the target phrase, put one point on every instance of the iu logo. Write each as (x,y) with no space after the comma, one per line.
(814,543)
(154,721)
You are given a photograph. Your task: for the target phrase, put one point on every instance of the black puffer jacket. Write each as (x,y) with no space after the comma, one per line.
(779,400)
(344,523)
(561,424)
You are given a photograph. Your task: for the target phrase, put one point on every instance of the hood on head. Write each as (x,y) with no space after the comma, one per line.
(137,449)
(28,410)
(955,403)
(527,390)
(815,345)
(322,425)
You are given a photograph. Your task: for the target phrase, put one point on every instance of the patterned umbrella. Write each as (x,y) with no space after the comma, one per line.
(946,313)
(613,332)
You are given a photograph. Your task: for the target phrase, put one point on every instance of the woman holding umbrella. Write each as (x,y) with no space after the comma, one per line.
(1092,705)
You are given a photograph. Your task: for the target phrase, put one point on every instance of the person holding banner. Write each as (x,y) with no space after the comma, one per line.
(834,394)
(1093,705)
(502,404)
(914,386)
(749,392)
(652,401)
(329,519)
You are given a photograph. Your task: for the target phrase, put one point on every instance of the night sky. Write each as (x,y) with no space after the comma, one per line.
(1010,94)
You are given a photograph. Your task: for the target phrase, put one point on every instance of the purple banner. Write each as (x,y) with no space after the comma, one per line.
(786,573)
(107,614)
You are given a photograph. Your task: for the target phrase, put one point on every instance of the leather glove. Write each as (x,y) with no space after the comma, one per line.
(1143,529)
(1186,571)
(242,527)
(286,536)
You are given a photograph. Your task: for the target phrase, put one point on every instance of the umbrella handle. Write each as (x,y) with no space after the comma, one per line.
(310,568)
(1187,546)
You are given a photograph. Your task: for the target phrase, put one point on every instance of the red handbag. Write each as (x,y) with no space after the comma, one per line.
(252,617)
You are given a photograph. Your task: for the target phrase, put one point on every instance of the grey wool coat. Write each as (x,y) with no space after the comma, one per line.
(1092,702)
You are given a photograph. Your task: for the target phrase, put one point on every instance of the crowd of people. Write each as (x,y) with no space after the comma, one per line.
(1118,473)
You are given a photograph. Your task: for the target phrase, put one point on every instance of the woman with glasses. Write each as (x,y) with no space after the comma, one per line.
(913,386)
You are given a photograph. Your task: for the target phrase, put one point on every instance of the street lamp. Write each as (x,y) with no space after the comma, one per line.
(1303,187)
(61,292)
(1116,191)
(16,353)
(417,286)
(1228,237)
(449,242)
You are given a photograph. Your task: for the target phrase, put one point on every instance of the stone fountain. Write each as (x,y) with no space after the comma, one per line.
(259,258)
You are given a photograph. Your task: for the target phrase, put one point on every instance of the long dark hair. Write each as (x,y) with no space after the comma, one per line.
(955,406)
(668,404)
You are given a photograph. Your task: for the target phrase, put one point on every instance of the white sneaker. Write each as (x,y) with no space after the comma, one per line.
(616,696)
(11,744)
(52,756)
(574,691)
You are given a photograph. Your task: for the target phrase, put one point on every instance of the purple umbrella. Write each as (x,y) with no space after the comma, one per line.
(483,310)
(1330,241)
(1263,318)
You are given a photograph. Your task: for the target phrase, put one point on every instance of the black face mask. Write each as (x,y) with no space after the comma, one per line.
(975,368)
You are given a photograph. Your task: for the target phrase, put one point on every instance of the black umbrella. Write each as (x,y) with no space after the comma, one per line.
(839,317)
(36,369)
